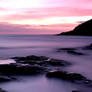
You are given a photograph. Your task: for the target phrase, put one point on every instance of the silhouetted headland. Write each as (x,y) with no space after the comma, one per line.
(84,29)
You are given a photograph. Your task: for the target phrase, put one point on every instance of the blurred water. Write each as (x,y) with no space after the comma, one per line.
(19,45)
(46,45)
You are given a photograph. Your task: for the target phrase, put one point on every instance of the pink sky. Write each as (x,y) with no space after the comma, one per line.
(42,16)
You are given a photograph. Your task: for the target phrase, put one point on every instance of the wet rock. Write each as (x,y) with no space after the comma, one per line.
(32,65)
(75,52)
(56,73)
(1,90)
(41,60)
(56,62)
(32,57)
(32,60)
(70,51)
(4,78)
(65,75)
(65,49)
(75,91)
(20,69)
(73,77)
(88,47)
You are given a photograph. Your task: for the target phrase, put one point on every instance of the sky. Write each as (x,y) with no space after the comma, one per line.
(42,16)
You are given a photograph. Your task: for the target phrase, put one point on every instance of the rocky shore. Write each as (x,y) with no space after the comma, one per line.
(69,76)
(49,67)
(75,51)
(72,51)
(32,65)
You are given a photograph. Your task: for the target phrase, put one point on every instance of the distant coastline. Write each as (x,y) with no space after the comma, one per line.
(84,29)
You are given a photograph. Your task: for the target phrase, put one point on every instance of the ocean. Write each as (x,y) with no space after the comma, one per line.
(46,45)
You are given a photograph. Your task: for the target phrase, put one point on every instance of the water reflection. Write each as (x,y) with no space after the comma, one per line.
(6,61)
(38,84)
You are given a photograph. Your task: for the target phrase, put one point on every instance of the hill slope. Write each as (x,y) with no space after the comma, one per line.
(84,29)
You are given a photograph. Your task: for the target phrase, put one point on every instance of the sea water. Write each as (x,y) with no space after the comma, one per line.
(46,45)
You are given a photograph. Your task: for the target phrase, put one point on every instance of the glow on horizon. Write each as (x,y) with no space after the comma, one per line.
(59,15)
(52,20)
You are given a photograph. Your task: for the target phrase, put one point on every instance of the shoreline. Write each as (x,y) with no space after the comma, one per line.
(52,68)
(52,63)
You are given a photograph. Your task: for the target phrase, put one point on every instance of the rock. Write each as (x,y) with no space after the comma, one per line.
(32,57)
(70,51)
(83,29)
(41,60)
(57,74)
(20,69)
(75,91)
(32,60)
(74,52)
(1,90)
(65,49)
(88,47)
(4,78)
(73,77)
(32,65)
(65,75)
(56,62)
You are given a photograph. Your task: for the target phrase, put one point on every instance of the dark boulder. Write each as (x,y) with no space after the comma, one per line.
(65,75)
(20,69)
(70,51)
(4,78)
(56,62)
(89,47)
(74,52)
(32,60)
(32,65)
(65,49)
(75,91)
(41,60)
(32,57)
(1,90)
(73,77)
